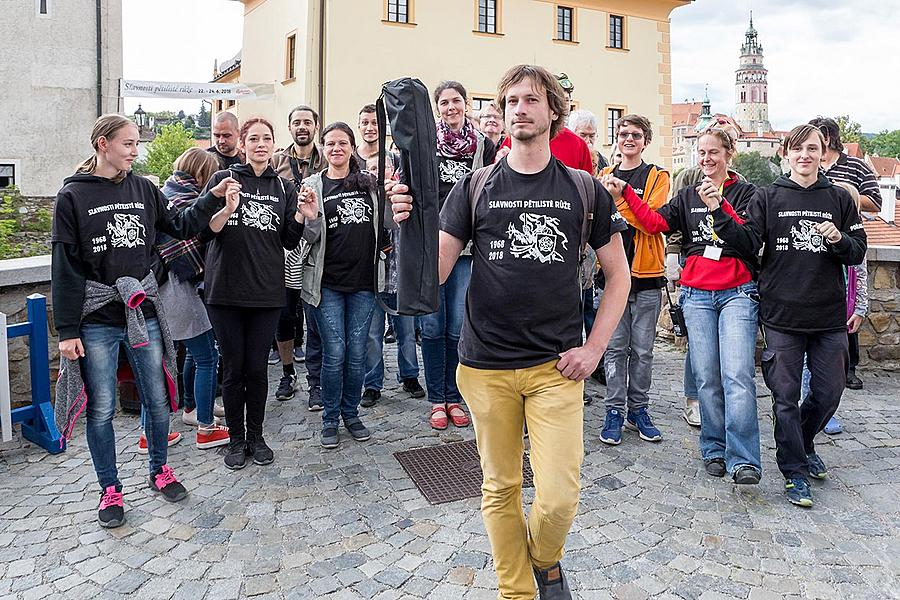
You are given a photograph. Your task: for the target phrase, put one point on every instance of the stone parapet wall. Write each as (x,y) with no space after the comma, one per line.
(879,337)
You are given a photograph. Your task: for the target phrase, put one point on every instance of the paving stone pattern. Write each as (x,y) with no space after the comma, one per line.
(348,523)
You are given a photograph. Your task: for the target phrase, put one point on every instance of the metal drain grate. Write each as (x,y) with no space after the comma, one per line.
(449,472)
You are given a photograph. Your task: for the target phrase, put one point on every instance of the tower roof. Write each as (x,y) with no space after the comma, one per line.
(751,44)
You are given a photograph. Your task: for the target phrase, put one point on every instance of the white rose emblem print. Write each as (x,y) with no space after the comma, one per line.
(259,215)
(353,211)
(539,238)
(807,238)
(126,231)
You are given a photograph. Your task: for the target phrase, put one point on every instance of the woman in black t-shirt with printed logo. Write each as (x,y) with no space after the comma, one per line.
(338,278)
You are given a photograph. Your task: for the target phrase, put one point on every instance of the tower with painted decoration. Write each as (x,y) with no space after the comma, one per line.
(751,88)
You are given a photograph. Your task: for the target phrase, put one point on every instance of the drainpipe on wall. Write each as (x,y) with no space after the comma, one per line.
(322,60)
(99,60)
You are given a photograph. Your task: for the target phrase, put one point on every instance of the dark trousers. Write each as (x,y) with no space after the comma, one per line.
(313,348)
(782,366)
(854,351)
(244,335)
(290,322)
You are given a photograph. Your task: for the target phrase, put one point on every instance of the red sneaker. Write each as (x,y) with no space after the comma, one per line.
(217,435)
(174,438)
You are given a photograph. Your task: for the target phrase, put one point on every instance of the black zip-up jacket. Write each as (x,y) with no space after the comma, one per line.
(103,230)
(245,261)
(801,280)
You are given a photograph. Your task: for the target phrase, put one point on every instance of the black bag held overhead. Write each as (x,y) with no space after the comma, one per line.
(406,105)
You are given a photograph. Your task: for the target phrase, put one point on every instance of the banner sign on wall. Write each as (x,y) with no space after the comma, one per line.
(130,88)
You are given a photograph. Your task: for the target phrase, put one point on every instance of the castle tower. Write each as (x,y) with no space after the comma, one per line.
(751,95)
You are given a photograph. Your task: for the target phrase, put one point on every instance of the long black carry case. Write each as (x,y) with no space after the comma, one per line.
(406,105)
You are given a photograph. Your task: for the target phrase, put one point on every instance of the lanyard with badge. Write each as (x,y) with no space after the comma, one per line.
(714,252)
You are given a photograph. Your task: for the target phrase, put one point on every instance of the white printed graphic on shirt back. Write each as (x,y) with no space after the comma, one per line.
(539,238)
(354,210)
(259,215)
(707,233)
(126,231)
(807,238)
(452,171)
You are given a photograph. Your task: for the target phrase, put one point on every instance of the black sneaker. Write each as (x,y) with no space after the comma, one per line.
(817,468)
(746,475)
(588,399)
(854,382)
(166,484)
(286,387)
(262,454)
(552,584)
(369,398)
(599,374)
(236,455)
(413,387)
(715,467)
(359,431)
(329,437)
(389,336)
(111,512)
(274,357)
(315,398)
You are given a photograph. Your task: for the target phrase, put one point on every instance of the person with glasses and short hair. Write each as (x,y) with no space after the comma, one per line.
(629,356)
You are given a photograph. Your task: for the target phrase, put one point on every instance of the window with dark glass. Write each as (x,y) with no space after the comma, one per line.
(398,11)
(616,31)
(487,16)
(7,175)
(564,23)
(612,115)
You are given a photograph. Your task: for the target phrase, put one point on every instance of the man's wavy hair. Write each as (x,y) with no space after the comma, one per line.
(543,81)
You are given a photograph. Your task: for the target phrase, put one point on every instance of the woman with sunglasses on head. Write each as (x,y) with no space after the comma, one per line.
(720,302)
(244,283)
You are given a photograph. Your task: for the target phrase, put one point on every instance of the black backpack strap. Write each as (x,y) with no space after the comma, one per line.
(295,169)
(476,187)
(584,183)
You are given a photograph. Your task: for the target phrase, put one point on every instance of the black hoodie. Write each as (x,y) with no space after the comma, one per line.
(801,280)
(103,230)
(245,261)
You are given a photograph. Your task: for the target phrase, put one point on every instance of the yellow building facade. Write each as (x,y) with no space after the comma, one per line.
(334,54)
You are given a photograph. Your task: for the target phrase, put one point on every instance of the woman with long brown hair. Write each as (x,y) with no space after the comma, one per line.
(105,296)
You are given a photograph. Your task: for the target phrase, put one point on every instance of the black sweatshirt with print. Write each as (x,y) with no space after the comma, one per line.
(103,230)
(801,279)
(245,261)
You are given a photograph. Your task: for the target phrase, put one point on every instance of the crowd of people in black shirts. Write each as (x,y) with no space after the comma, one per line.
(248,253)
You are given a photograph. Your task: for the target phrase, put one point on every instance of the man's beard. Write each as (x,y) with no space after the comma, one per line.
(523,136)
(306,142)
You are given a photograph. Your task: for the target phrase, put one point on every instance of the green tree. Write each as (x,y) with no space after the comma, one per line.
(203,118)
(168,145)
(189,123)
(756,168)
(886,143)
(851,131)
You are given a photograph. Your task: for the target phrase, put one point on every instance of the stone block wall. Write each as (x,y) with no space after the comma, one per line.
(879,337)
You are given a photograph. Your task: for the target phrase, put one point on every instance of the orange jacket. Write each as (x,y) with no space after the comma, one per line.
(649,248)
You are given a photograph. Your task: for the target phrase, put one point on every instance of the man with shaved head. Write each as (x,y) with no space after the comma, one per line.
(225,134)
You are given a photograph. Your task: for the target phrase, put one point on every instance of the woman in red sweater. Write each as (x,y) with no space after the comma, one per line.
(721,304)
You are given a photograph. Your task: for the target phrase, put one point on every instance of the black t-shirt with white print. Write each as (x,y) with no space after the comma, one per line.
(349,238)
(523,306)
(245,261)
(451,170)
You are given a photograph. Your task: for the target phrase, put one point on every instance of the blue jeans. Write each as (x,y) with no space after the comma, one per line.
(629,356)
(722,327)
(202,358)
(440,335)
(98,367)
(343,320)
(404,330)
(690,385)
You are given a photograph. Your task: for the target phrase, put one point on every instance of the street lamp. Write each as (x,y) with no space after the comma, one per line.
(140,117)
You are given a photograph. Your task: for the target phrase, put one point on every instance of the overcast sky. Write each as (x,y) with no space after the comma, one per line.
(824,57)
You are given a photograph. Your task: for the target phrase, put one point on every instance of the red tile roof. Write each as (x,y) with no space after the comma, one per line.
(884,166)
(686,113)
(881,233)
(852,149)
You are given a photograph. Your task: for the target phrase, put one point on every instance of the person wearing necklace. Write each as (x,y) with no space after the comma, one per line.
(720,301)
(244,283)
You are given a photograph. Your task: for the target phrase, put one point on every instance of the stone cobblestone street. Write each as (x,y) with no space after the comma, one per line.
(349,524)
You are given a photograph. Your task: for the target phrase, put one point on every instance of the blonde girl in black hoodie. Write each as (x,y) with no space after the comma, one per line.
(244,282)
(104,227)
(810,229)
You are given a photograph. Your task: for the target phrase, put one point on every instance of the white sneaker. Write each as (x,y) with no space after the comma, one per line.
(219,410)
(691,413)
(189,417)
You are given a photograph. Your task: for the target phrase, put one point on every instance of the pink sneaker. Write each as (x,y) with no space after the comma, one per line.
(111,512)
(168,485)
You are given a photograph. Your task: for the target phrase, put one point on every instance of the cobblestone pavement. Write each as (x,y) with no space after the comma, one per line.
(348,523)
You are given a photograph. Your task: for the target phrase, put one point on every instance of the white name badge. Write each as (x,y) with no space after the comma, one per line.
(712,252)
